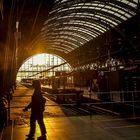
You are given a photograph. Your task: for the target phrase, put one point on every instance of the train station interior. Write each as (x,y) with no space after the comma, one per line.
(86,55)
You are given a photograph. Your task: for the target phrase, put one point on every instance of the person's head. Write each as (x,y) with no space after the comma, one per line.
(36,84)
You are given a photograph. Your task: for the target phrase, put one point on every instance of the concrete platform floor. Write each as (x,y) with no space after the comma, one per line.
(62,127)
(98,127)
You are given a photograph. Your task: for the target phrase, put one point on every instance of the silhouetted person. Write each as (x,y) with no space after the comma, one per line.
(3,113)
(94,85)
(37,106)
(103,88)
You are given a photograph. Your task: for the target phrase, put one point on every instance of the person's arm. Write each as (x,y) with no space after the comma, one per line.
(27,107)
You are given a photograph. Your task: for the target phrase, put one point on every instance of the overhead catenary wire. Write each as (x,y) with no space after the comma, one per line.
(48,69)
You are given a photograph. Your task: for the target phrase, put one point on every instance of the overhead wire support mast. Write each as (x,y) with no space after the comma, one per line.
(17,37)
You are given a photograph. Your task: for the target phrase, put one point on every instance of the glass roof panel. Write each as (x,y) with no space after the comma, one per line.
(64,47)
(83,31)
(70,43)
(85,17)
(68,40)
(58,44)
(96,6)
(59,49)
(97,16)
(70,33)
(77,28)
(83,20)
(85,24)
(128,2)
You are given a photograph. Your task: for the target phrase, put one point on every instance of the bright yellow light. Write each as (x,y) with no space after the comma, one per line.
(39,63)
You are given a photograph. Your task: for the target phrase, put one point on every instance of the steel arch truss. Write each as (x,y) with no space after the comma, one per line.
(72,23)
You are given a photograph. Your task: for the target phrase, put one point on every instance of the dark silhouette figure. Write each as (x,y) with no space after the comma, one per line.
(103,88)
(3,113)
(37,106)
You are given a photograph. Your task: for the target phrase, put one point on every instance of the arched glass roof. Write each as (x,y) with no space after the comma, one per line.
(72,23)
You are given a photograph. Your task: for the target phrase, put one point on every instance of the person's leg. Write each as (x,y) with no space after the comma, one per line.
(41,124)
(32,125)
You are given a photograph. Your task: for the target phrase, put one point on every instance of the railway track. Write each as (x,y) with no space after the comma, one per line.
(113,108)
(81,110)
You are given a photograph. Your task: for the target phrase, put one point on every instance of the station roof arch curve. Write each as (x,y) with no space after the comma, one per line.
(71,24)
(42,64)
(63,26)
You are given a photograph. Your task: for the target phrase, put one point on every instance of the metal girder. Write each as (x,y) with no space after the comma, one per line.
(62,46)
(64,34)
(68,39)
(98,14)
(75,30)
(82,25)
(119,3)
(84,20)
(70,31)
(65,50)
(103,12)
(87,18)
(100,23)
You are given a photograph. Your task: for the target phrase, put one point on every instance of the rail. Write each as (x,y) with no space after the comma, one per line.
(131,99)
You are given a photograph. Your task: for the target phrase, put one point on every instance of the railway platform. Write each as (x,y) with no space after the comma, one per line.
(69,127)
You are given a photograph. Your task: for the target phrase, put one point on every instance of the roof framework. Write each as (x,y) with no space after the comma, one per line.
(72,23)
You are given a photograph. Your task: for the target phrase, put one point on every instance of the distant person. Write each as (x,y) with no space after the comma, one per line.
(94,85)
(103,88)
(37,106)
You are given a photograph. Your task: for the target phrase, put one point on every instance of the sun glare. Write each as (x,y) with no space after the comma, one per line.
(39,60)
(34,66)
